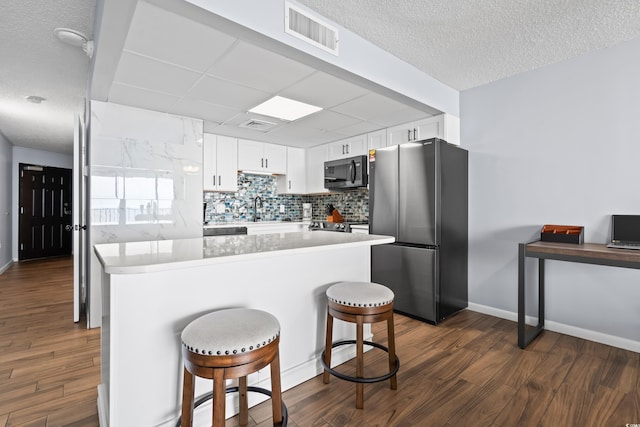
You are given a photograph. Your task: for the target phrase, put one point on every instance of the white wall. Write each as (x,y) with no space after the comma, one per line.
(5,203)
(559,145)
(32,157)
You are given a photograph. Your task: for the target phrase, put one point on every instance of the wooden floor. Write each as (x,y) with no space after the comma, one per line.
(466,371)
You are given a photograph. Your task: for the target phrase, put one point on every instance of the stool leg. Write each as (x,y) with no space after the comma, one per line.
(188,388)
(391,339)
(244,403)
(359,362)
(276,390)
(327,347)
(219,397)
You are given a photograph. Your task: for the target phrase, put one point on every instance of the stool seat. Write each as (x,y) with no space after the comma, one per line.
(230,332)
(360,294)
(231,344)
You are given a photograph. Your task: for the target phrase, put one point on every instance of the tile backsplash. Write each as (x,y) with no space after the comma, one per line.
(239,206)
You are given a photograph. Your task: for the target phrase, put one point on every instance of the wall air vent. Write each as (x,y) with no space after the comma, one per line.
(259,125)
(303,25)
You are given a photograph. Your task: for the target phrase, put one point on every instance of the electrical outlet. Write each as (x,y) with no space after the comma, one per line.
(282,209)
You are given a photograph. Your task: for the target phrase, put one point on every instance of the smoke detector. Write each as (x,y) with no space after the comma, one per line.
(75,38)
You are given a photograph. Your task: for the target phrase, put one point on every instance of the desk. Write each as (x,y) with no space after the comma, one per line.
(587,253)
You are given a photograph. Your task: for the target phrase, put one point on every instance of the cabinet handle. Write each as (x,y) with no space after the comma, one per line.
(414,134)
(408,134)
(289,184)
(266,163)
(214,180)
(219,179)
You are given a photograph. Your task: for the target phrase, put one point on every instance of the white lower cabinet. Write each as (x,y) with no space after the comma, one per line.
(219,163)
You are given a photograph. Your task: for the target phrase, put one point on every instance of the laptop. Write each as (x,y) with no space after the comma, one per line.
(625,232)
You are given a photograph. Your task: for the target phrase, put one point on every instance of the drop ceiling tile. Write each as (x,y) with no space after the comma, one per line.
(258,68)
(141,98)
(203,110)
(359,128)
(220,92)
(323,90)
(145,73)
(399,117)
(303,137)
(326,120)
(368,106)
(184,44)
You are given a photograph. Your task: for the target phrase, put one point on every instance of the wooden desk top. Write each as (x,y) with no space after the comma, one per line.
(591,253)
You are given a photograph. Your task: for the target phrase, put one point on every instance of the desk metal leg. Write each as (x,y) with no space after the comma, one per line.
(524,336)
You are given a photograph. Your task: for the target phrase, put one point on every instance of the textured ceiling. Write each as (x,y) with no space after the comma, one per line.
(35,62)
(466,43)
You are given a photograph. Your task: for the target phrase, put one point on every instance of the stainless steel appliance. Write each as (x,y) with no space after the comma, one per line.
(343,227)
(225,231)
(418,194)
(345,173)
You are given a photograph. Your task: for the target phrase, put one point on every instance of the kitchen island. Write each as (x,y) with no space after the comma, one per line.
(153,289)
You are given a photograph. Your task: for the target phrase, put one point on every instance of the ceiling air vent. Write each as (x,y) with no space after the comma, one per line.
(259,125)
(314,31)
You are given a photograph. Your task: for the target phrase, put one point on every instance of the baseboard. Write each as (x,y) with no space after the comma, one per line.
(6,266)
(562,328)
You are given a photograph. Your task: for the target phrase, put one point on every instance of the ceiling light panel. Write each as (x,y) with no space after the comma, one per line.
(284,108)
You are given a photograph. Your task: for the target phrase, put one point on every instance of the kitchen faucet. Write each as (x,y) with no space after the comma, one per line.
(255,208)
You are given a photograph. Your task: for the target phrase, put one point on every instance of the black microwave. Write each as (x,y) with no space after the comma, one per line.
(345,173)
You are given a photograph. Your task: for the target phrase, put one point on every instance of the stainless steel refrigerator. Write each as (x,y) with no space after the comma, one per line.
(418,194)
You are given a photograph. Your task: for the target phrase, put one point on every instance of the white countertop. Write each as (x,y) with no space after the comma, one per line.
(162,255)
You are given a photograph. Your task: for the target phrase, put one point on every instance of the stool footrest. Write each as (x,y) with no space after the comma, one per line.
(367,380)
(209,396)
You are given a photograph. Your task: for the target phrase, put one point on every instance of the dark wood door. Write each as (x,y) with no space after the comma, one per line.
(45,212)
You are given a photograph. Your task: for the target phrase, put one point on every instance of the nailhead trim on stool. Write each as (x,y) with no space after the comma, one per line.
(231,344)
(230,331)
(360,294)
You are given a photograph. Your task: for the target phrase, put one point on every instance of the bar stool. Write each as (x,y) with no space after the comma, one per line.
(230,344)
(360,303)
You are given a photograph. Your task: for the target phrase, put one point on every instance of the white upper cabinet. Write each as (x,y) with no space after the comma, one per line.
(349,147)
(262,157)
(219,163)
(377,139)
(443,126)
(294,181)
(316,156)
